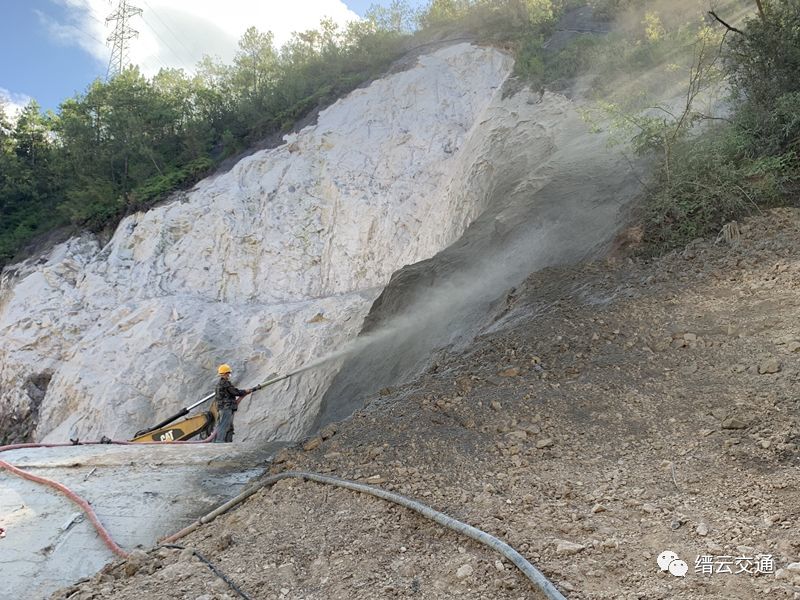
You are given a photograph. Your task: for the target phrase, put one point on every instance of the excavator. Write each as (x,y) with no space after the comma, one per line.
(201,424)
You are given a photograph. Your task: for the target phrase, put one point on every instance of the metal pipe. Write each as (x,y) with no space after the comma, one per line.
(188,409)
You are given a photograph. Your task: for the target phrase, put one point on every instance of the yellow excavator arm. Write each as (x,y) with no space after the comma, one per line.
(182,430)
(202,424)
(168,431)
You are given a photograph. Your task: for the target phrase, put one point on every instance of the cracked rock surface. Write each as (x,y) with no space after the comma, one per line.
(267,267)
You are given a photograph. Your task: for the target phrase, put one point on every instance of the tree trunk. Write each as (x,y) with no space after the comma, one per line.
(760,5)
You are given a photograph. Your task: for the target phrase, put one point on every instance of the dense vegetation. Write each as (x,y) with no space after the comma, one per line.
(726,145)
(125,144)
(714,172)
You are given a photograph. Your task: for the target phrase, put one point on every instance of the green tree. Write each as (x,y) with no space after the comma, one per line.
(30,134)
(29,185)
(5,126)
(763,64)
(397,17)
(443,11)
(123,144)
(255,63)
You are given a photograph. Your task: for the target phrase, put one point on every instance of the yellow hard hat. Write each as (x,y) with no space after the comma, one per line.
(224,369)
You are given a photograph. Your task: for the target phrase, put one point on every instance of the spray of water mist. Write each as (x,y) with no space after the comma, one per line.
(541,224)
(454,310)
(664,82)
(528,251)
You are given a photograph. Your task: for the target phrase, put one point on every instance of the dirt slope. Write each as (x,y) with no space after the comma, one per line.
(627,408)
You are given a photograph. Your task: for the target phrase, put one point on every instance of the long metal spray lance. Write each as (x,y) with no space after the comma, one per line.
(186,410)
(282,377)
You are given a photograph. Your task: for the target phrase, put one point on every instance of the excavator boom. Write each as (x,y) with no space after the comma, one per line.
(180,431)
(202,424)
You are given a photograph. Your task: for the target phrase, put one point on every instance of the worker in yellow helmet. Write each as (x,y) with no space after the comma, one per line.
(227,398)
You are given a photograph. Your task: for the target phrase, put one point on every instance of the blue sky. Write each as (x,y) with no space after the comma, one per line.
(52,49)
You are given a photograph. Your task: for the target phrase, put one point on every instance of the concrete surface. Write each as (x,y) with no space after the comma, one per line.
(140,493)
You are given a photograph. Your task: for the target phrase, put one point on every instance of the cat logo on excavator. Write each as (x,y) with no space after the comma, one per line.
(202,424)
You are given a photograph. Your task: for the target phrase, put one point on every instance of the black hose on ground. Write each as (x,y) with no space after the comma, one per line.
(531,572)
(213,568)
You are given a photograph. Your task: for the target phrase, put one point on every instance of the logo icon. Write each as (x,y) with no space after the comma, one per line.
(678,568)
(669,561)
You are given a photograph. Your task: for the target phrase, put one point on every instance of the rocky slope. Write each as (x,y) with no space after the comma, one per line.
(267,266)
(556,198)
(612,411)
(276,263)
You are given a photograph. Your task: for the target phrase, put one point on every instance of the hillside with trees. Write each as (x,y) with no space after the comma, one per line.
(125,144)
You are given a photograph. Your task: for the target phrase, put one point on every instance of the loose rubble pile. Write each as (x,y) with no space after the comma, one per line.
(613,412)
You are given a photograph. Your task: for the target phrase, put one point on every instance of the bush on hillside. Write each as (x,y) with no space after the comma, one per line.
(159,187)
(714,179)
(748,162)
(764,69)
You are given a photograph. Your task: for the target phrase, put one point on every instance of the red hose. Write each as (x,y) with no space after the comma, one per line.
(75,498)
(102,532)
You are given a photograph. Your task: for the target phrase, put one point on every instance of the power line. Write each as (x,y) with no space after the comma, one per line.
(190,54)
(122,34)
(84,32)
(163,41)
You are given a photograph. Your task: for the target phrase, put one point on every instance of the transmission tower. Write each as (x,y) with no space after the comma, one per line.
(119,38)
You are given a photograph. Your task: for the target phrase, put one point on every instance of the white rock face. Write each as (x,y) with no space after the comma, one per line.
(276,263)
(267,267)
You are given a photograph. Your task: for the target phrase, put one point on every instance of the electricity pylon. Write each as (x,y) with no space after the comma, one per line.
(118,40)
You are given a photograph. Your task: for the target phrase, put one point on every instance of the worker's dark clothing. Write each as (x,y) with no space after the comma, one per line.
(226,396)
(225,425)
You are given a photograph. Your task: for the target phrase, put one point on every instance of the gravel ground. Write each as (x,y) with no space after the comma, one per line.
(615,411)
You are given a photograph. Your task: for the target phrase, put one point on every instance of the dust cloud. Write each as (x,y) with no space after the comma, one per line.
(561,210)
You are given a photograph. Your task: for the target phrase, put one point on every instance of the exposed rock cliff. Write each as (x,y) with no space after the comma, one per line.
(555,197)
(277,262)
(267,266)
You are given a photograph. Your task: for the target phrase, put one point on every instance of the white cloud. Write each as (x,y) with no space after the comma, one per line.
(12,102)
(177,33)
